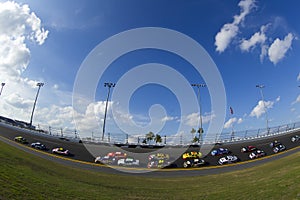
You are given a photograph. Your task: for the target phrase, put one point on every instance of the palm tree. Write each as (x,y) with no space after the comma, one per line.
(150,136)
(157,138)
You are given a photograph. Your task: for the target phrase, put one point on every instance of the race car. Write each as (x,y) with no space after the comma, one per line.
(20,139)
(257,154)
(227,160)
(193,163)
(129,161)
(158,156)
(117,155)
(248,149)
(38,145)
(274,143)
(61,151)
(279,148)
(161,163)
(192,154)
(219,151)
(105,160)
(295,138)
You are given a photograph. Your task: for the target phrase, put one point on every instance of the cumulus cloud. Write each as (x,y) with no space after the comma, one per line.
(297,100)
(261,108)
(274,50)
(230,30)
(279,48)
(18,25)
(298,77)
(232,121)
(256,39)
(192,120)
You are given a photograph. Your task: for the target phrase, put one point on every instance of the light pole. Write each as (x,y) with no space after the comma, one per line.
(262,98)
(37,94)
(109,85)
(200,130)
(2,85)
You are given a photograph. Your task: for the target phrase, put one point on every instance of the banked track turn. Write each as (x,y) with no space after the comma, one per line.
(84,160)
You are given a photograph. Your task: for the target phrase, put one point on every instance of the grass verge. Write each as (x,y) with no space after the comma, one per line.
(25,176)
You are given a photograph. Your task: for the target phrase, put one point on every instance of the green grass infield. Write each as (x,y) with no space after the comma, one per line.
(25,176)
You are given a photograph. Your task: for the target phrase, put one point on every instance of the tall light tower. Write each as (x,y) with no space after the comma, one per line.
(2,85)
(109,85)
(37,94)
(262,98)
(200,130)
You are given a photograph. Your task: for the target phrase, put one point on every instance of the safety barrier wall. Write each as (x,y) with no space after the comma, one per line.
(179,139)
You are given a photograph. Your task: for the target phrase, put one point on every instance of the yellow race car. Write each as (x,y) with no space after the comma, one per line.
(192,154)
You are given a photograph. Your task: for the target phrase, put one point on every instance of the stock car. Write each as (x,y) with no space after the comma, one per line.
(193,163)
(38,145)
(158,156)
(161,163)
(192,154)
(275,143)
(20,139)
(61,151)
(257,154)
(228,159)
(279,148)
(248,149)
(219,151)
(295,138)
(117,155)
(105,160)
(129,161)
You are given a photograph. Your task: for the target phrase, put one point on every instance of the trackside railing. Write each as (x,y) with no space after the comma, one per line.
(178,139)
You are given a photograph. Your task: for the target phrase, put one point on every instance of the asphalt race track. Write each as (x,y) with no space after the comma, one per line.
(84,157)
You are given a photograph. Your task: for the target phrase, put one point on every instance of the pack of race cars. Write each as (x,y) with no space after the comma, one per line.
(190,159)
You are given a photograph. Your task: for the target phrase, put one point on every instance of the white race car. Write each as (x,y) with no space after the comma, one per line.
(227,160)
(128,162)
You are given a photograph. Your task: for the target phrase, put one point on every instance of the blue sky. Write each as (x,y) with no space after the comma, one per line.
(251,42)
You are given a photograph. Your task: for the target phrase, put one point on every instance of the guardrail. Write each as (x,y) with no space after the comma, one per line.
(122,138)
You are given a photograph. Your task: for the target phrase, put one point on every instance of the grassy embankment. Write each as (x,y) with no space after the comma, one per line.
(24,176)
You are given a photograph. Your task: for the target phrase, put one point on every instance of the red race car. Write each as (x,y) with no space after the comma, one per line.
(248,149)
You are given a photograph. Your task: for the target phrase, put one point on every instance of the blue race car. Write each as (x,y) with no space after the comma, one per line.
(219,151)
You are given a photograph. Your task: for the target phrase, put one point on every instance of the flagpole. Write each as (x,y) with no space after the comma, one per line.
(232,125)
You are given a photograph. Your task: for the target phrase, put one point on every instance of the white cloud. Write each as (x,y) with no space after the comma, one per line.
(297,100)
(256,39)
(261,108)
(17,101)
(18,25)
(298,77)
(168,118)
(192,120)
(278,99)
(279,48)
(240,120)
(230,122)
(230,30)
